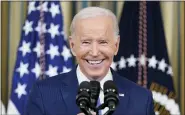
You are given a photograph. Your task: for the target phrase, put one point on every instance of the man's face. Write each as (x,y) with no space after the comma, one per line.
(94,45)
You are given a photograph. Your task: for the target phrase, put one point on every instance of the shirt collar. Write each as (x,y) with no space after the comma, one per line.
(81,77)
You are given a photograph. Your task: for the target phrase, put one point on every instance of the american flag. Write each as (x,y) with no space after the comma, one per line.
(58,58)
(143,56)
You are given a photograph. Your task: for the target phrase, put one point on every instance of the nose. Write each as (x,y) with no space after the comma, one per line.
(94,49)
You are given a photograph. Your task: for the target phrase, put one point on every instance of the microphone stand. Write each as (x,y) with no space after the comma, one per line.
(109,112)
(86,111)
(102,106)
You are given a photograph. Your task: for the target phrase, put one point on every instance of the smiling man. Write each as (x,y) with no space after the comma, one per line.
(94,41)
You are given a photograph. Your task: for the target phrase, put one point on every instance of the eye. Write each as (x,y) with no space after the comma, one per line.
(85,42)
(103,42)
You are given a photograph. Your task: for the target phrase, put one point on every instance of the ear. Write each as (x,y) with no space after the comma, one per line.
(71,44)
(117,45)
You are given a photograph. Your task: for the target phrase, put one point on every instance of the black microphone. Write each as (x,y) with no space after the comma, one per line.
(95,91)
(83,97)
(111,98)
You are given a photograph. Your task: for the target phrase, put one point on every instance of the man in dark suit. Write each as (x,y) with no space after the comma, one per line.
(94,41)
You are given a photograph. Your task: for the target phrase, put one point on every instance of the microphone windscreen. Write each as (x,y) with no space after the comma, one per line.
(95,86)
(95,91)
(109,85)
(111,98)
(85,84)
(83,97)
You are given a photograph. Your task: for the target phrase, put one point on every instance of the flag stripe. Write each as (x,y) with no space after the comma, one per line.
(58,57)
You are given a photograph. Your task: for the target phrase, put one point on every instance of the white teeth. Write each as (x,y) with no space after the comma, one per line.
(94,62)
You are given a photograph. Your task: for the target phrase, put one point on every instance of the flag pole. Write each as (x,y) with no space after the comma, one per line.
(42,44)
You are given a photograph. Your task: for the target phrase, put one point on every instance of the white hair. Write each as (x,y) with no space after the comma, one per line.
(93,12)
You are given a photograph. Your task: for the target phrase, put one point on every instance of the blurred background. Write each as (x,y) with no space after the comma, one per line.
(13,15)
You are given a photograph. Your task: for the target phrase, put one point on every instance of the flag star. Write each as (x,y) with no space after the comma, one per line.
(37,49)
(41,28)
(52,71)
(25,48)
(36,70)
(122,63)
(152,62)
(53,30)
(170,71)
(44,7)
(162,65)
(23,69)
(66,53)
(131,61)
(21,90)
(65,69)
(28,27)
(113,65)
(31,7)
(53,51)
(54,10)
(142,60)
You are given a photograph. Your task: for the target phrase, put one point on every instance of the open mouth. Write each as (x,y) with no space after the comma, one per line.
(94,62)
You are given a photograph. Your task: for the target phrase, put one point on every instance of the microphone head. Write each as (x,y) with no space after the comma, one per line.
(109,86)
(111,98)
(84,86)
(83,96)
(95,91)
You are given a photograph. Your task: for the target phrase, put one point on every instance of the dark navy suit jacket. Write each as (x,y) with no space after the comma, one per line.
(57,96)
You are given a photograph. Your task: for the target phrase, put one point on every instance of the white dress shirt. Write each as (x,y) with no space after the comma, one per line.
(81,77)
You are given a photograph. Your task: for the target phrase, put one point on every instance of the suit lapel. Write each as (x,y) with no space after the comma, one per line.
(69,91)
(123,93)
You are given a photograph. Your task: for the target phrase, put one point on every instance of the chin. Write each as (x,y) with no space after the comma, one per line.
(96,75)
(93,75)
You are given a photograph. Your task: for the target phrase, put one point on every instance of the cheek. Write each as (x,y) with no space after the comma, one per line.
(109,51)
(81,50)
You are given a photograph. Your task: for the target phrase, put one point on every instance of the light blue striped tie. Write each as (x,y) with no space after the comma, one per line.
(98,104)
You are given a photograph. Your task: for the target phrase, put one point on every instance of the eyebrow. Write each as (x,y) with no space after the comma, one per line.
(85,38)
(90,38)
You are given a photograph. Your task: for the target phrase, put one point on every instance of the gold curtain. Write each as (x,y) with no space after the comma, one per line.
(4,50)
(182,75)
(173,18)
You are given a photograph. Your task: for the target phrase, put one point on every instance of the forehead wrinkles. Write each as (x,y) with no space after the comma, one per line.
(95,32)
